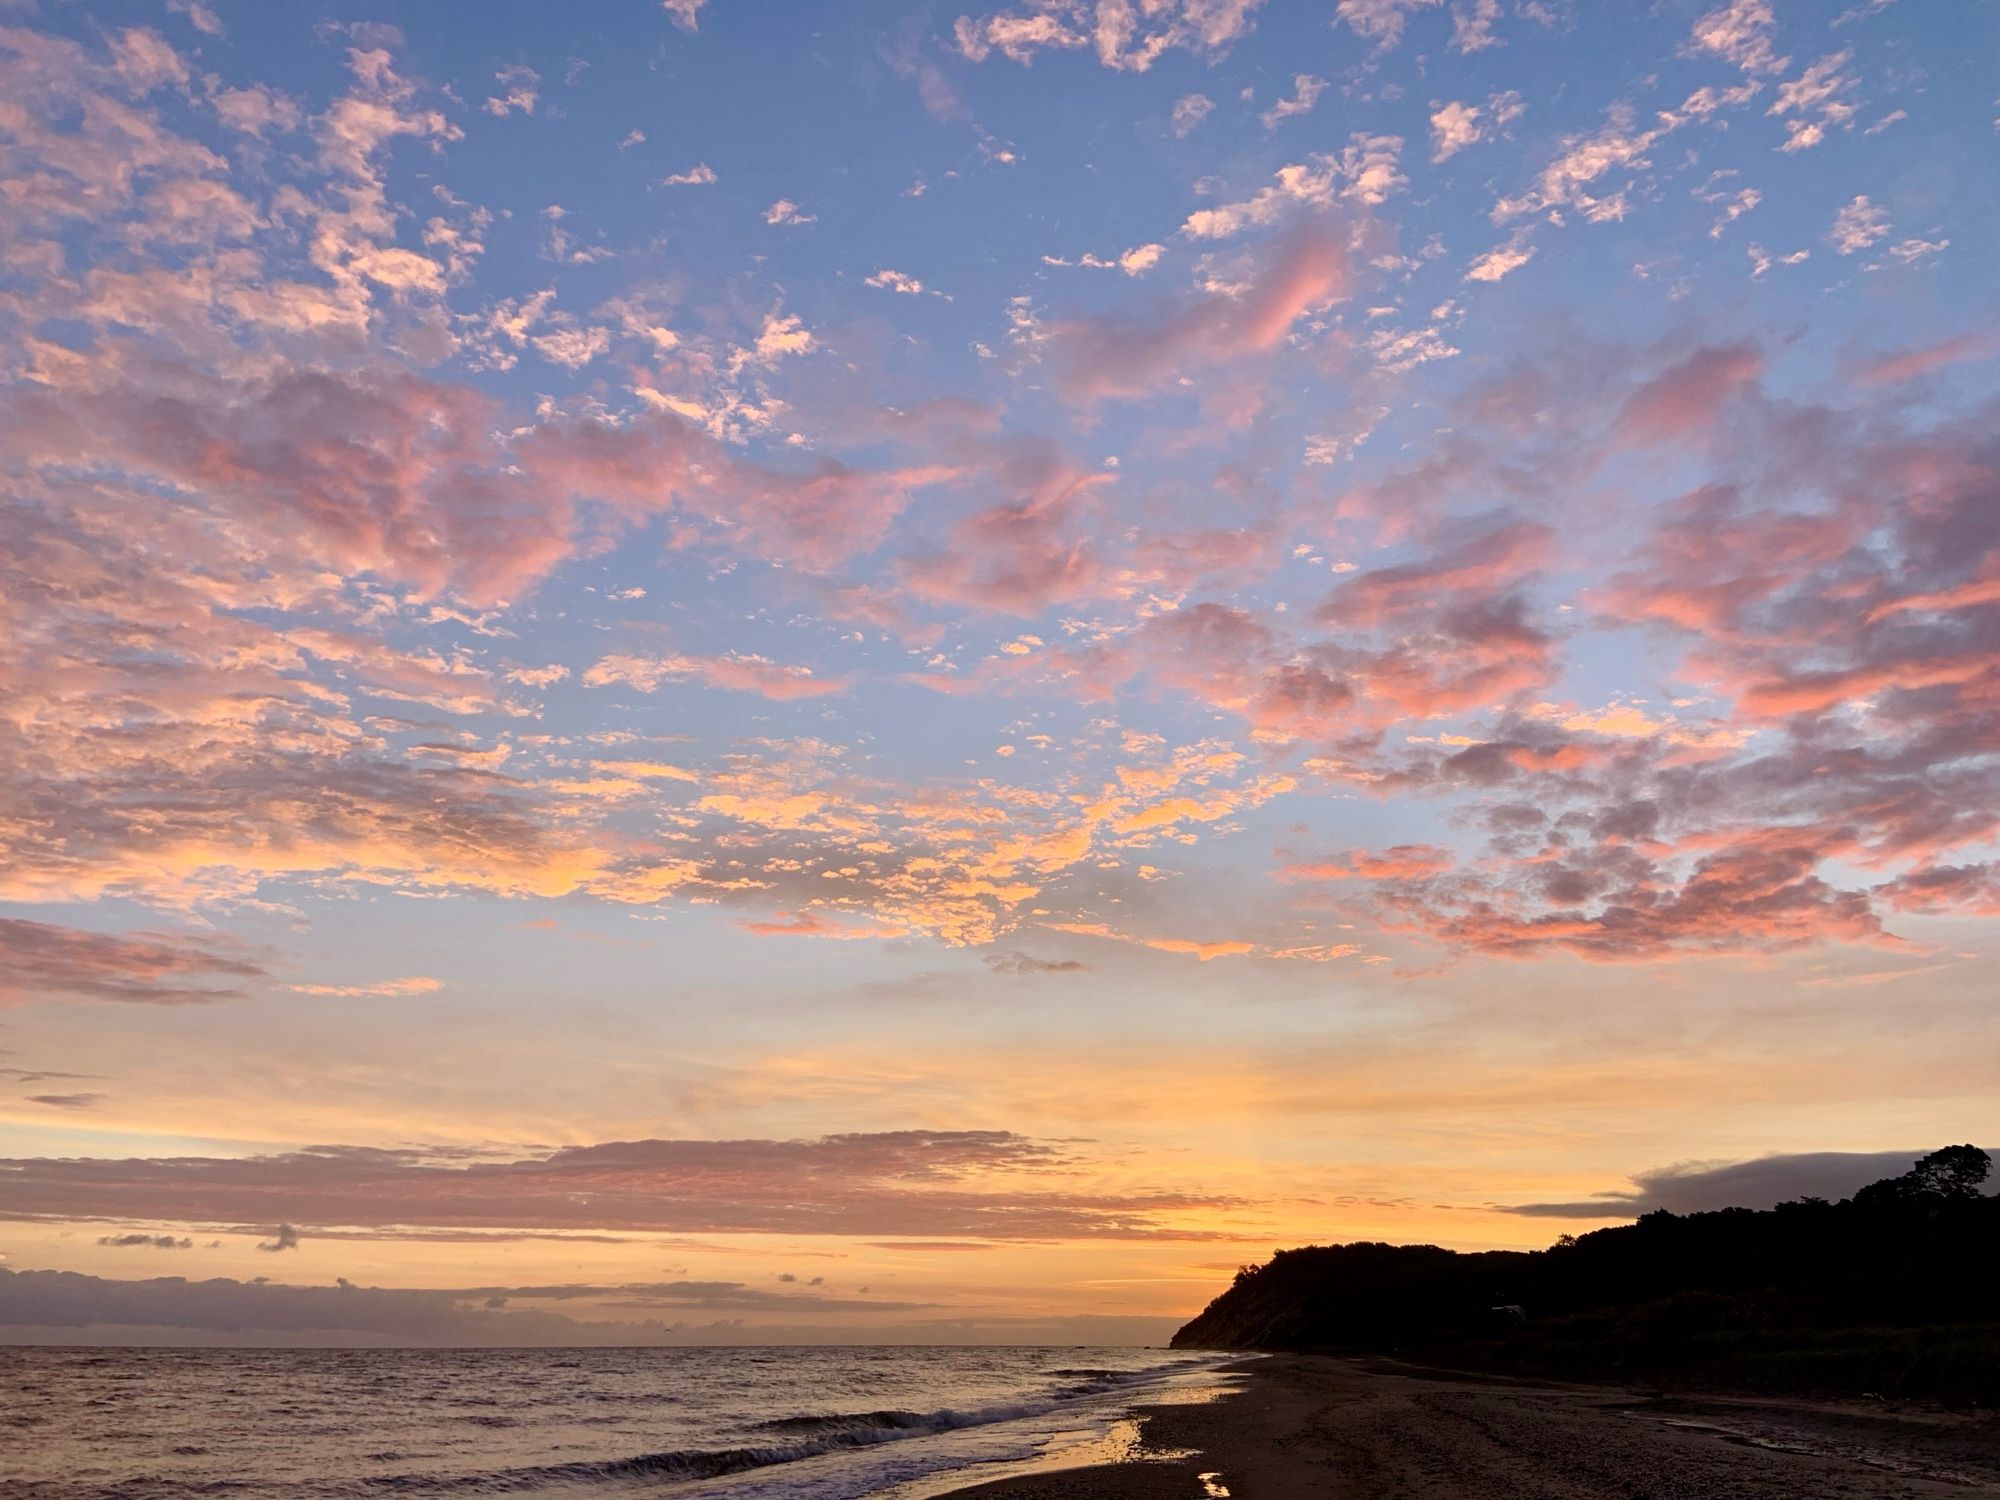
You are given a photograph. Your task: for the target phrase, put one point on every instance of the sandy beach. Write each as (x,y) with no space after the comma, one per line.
(1305,1425)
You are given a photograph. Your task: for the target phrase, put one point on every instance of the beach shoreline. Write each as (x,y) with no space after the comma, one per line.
(1304,1425)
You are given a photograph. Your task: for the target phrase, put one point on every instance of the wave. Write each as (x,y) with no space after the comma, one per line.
(860,1421)
(815,1435)
(794,1437)
(674,1464)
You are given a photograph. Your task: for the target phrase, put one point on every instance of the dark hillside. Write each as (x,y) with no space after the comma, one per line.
(1894,1291)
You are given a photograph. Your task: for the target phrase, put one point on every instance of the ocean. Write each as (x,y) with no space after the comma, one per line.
(746,1423)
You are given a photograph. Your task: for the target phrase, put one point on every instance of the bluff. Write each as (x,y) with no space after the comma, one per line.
(1891,1291)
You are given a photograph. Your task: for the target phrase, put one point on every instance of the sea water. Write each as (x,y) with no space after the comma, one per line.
(747,1423)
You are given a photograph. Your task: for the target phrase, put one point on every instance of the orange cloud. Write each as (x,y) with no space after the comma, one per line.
(742,674)
(1401,862)
(387,987)
(812,924)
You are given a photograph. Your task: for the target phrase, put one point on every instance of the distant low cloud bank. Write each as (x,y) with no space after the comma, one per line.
(930,1184)
(68,1306)
(1700,1187)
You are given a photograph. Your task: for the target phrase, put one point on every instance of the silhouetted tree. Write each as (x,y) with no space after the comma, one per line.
(1954,1173)
(1889,1290)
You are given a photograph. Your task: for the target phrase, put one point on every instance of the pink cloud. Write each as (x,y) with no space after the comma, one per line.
(1133,355)
(1400,862)
(1025,555)
(1688,398)
(990,1184)
(1947,890)
(41,962)
(1737,901)
(813,925)
(1909,364)
(1474,559)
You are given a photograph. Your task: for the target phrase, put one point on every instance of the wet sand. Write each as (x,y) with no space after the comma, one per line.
(1306,1426)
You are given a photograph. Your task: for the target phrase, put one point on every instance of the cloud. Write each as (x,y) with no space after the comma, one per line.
(1732,205)
(686,14)
(1141,259)
(520,89)
(1816,97)
(1133,354)
(1400,350)
(701,174)
(1687,399)
(1202,951)
(691,1296)
(416,985)
(373,473)
(1027,964)
(1858,225)
(1761,260)
(1380,21)
(250,684)
(145,1241)
(782,336)
(1472,26)
(1189,111)
(41,962)
(572,348)
(733,673)
(1910,252)
(1476,559)
(1400,862)
(814,925)
(200,16)
(897,281)
(145,59)
(1025,555)
(1741,33)
(255,109)
(1306,89)
(1740,900)
(265,554)
(1947,890)
(1574,179)
(263,1311)
(784,211)
(223,1310)
(1456,125)
(1704,1187)
(1836,616)
(1122,36)
(1502,260)
(1134,262)
(40,1075)
(935,1184)
(1365,171)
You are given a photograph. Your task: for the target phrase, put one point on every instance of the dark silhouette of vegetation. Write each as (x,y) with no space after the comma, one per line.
(1893,1292)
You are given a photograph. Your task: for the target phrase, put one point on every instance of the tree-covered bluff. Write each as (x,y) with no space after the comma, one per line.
(1892,1291)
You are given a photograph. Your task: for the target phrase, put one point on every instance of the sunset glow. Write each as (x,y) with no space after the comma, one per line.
(724,673)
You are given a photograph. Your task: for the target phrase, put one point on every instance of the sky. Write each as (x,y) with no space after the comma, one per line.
(721,672)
